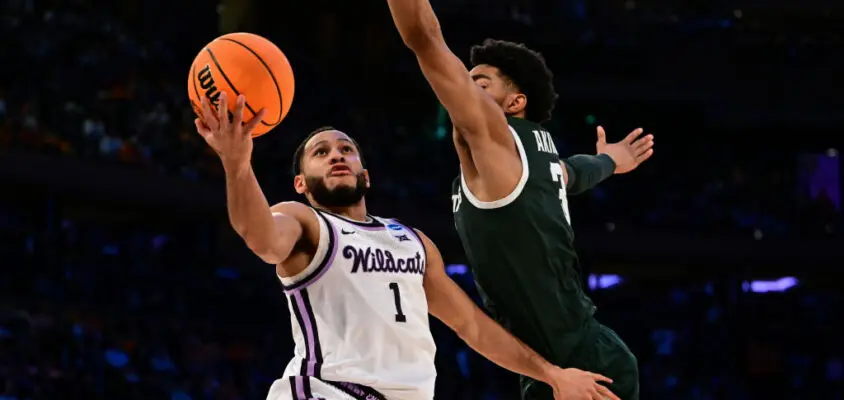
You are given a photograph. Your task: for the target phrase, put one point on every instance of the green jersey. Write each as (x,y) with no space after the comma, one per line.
(521,250)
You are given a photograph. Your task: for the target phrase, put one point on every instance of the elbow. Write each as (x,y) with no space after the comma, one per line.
(266,255)
(265,251)
(270,259)
(422,36)
(468,333)
(239,226)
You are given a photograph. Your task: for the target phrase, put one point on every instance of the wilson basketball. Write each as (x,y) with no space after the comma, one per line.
(247,64)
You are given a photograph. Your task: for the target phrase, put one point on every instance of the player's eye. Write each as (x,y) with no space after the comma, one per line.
(320,152)
(347,149)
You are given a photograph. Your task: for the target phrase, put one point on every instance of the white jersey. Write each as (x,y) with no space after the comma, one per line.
(360,316)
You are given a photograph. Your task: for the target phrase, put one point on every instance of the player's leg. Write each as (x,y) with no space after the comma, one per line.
(615,360)
(579,350)
(599,350)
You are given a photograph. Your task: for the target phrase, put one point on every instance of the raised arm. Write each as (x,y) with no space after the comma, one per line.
(270,234)
(583,172)
(453,307)
(472,111)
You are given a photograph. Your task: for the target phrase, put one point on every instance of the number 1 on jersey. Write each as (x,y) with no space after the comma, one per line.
(400,317)
(557,176)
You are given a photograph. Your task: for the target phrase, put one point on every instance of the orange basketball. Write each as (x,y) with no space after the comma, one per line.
(247,64)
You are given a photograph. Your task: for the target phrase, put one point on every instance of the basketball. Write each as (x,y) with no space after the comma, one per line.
(247,64)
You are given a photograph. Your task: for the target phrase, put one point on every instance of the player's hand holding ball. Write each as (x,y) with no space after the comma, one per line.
(240,86)
(232,140)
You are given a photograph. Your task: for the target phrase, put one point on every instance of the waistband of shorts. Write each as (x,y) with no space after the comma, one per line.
(357,391)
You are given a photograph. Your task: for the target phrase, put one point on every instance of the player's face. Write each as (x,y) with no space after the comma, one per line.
(332,171)
(502,91)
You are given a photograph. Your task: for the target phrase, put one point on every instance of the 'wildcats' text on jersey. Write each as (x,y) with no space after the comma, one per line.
(360,315)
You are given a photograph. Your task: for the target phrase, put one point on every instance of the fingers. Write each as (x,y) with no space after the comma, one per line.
(633,135)
(599,391)
(208,115)
(602,136)
(643,148)
(643,144)
(600,378)
(223,112)
(203,130)
(237,118)
(606,393)
(247,130)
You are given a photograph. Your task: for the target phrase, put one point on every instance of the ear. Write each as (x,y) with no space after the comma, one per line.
(299,184)
(366,177)
(515,103)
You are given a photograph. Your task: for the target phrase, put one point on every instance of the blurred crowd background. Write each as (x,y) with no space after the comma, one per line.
(716,261)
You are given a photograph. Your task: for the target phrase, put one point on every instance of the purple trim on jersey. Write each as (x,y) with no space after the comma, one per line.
(304,314)
(367,227)
(323,266)
(418,240)
(373,225)
(300,387)
(357,391)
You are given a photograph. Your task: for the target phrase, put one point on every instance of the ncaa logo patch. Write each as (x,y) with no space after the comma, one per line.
(398,232)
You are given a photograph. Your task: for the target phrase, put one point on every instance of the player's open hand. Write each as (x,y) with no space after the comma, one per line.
(629,152)
(575,384)
(227,134)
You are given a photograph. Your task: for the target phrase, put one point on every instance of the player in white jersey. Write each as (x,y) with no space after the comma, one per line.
(359,287)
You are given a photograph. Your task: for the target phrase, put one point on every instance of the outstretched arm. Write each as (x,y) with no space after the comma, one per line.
(270,234)
(583,172)
(472,111)
(453,307)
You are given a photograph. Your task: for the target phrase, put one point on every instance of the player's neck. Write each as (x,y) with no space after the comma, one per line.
(355,212)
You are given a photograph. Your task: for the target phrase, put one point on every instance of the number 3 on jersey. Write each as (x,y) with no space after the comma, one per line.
(557,176)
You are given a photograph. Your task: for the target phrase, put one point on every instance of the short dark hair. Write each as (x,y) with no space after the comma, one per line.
(297,156)
(525,69)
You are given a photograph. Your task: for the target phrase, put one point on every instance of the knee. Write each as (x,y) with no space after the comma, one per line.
(626,381)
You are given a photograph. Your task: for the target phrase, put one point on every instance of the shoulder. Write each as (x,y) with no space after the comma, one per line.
(302,213)
(396,224)
(521,123)
(433,259)
(292,208)
(427,243)
(523,128)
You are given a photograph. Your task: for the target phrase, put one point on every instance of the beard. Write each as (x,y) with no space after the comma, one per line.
(339,196)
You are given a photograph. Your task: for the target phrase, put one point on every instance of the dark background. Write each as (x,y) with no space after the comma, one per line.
(121,278)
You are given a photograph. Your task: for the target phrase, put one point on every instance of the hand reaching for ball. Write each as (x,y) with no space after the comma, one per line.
(231,139)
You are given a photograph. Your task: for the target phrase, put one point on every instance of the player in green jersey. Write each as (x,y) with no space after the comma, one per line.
(510,204)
